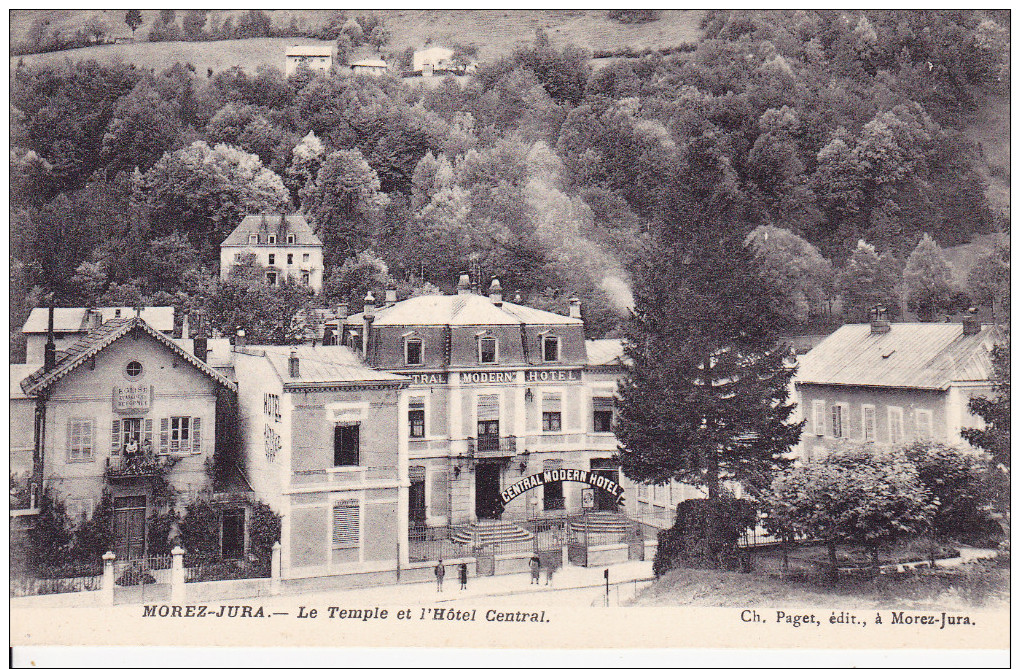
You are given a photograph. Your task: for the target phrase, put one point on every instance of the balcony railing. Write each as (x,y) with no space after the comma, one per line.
(492,446)
(139,466)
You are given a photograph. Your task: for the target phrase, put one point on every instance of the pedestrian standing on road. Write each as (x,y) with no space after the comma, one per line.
(462,572)
(440,573)
(549,574)
(536,568)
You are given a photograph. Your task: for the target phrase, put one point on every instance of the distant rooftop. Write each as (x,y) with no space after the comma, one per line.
(910,355)
(604,352)
(72,319)
(272,224)
(310,50)
(469,309)
(369,62)
(323,366)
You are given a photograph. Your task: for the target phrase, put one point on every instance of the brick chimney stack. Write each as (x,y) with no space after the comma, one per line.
(239,341)
(879,324)
(496,292)
(971,325)
(391,294)
(294,365)
(50,349)
(464,285)
(575,307)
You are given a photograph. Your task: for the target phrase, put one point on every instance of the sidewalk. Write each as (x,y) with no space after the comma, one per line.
(565,579)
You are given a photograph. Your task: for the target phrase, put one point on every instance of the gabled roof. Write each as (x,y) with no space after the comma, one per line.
(100,338)
(369,62)
(323,366)
(310,50)
(604,352)
(72,319)
(460,310)
(929,356)
(264,225)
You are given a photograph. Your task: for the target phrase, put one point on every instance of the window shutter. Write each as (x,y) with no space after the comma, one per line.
(488,407)
(551,401)
(196,435)
(92,437)
(70,440)
(819,407)
(115,438)
(602,403)
(164,435)
(148,432)
(346,525)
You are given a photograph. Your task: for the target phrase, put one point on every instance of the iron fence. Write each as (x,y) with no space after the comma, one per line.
(143,571)
(226,570)
(428,544)
(25,585)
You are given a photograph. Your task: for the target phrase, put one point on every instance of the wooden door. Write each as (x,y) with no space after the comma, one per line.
(129,527)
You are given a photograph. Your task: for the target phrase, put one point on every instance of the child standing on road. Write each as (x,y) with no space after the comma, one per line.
(536,567)
(462,571)
(549,574)
(440,573)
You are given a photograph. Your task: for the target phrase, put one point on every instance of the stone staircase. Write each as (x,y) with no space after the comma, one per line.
(602,522)
(486,532)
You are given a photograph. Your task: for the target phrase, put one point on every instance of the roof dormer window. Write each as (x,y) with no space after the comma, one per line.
(290,239)
(253,239)
(550,348)
(271,239)
(412,351)
(488,350)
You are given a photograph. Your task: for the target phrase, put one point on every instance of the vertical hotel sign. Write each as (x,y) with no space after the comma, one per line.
(132,399)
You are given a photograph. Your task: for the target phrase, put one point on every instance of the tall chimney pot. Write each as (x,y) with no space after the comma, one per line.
(369,304)
(391,294)
(50,349)
(239,341)
(575,307)
(202,348)
(971,325)
(496,292)
(294,365)
(464,285)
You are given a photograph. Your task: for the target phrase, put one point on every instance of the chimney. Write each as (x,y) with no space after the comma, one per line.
(94,319)
(464,285)
(496,292)
(239,341)
(50,350)
(185,330)
(391,294)
(517,297)
(294,365)
(879,324)
(202,348)
(575,307)
(341,310)
(369,318)
(971,325)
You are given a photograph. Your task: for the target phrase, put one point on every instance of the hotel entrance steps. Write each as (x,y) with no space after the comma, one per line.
(488,532)
(602,522)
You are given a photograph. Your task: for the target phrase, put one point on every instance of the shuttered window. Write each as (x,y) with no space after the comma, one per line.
(868,422)
(196,435)
(895,425)
(602,414)
(115,438)
(346,524)
(552,412)
(416,417)
(80,438)
(839,416)
(819,416)
(488,407)
(923,419)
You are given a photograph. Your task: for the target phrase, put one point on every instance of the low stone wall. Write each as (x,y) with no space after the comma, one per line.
(203,591)
(607,554)
(512,563)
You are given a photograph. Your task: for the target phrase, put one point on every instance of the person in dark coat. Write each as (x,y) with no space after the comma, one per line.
(462,572)
(440,573)
(536,569)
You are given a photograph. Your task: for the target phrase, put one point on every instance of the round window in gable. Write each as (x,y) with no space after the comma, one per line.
(134,369)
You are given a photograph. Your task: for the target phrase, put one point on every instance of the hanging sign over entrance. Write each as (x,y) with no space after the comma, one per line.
(593,479)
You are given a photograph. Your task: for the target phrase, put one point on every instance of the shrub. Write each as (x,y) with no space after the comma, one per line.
(704,535)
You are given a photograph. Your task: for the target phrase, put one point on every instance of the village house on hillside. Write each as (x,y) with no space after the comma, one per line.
(372,67)
(281,246)
(892,383)
(316,57)
(124,411)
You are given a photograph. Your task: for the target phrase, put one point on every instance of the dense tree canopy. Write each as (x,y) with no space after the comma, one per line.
(834,126)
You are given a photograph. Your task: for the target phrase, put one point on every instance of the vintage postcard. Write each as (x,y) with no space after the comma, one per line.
(510,329)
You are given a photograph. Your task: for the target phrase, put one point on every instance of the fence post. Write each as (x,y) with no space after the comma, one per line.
(108,559)
(274,580)
(177,575)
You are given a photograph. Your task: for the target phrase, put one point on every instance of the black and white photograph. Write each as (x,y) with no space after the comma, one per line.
(510,328)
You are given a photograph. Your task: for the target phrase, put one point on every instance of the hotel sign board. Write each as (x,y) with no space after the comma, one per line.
(594,479)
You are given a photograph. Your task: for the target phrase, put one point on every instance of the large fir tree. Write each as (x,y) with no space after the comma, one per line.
(706,397)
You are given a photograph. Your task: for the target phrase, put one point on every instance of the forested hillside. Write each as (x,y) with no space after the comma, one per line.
(831,127)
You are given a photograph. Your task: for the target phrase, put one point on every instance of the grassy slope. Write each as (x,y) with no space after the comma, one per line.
(695,587)
(495,33)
